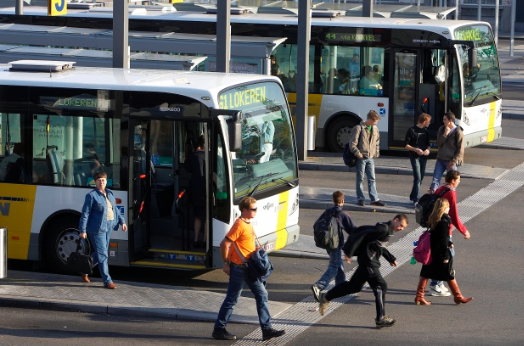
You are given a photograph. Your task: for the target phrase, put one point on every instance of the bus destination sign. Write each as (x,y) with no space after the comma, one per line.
(351,37)
(244,96)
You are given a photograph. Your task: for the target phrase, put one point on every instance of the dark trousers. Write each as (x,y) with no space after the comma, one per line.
(362,274)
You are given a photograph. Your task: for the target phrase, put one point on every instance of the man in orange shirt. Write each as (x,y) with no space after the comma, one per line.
(241,238)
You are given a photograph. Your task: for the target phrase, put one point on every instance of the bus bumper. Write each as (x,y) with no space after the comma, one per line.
(482,137)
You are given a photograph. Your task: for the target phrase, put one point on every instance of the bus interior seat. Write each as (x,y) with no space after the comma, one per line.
(55,162)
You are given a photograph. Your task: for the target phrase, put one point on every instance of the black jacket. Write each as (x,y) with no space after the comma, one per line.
(366,244)
(440,242)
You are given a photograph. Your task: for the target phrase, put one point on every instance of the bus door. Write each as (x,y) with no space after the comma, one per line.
(432,95)
(404,91)
(164,211)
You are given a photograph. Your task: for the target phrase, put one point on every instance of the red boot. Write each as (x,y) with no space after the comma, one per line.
(459,298)
(419,299)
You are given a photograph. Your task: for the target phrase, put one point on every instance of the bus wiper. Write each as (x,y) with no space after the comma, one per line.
(476,96)
(259,182)
(284,180)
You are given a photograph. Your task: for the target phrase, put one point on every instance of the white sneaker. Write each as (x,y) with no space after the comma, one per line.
(438,291)
(443,288)
(316,292)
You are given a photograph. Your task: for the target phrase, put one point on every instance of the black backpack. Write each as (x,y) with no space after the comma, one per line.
(425,205)
(349,159)
(325,230)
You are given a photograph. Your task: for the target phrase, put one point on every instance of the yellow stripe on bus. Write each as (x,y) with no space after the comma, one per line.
(16,214)
(491,122)
(314,104)
(282,220)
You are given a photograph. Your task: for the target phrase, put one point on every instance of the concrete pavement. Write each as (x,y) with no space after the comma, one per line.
(60,292)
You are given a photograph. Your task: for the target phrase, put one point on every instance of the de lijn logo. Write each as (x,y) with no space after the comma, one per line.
(56,7)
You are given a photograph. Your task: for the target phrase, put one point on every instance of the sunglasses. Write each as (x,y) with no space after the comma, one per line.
(253,209)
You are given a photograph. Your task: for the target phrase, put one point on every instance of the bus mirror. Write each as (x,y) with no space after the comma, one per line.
(235,135)
(234,126)
(472,57)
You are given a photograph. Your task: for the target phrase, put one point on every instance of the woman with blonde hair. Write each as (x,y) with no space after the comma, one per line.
(441,266)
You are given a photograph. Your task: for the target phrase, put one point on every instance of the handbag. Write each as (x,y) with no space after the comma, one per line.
(259,267)
(422,252)
(78,262)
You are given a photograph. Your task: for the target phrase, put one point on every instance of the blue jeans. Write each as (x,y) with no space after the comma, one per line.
(100,243)
(419,169)
(237,278)
(366,166)
(334,270)
(440,168)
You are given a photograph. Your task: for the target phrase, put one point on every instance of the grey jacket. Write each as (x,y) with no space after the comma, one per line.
(368,147)
(451,147)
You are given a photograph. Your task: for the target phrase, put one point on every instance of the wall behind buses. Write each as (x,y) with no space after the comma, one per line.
(24,209)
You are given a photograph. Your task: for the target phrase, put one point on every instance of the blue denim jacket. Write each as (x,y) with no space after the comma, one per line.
(94,213)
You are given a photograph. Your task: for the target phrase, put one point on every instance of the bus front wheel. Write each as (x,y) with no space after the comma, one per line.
(338,134)
(61,240)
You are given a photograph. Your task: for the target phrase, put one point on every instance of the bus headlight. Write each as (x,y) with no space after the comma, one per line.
(465,120)
(294,207)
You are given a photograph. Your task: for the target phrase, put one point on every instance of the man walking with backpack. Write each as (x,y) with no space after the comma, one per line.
(336,266)
(366,244)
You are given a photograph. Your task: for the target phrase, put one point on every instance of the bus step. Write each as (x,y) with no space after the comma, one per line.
(169,264)
(171,254)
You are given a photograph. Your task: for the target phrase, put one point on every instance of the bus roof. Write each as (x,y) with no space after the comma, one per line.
(437,26)
(196,85)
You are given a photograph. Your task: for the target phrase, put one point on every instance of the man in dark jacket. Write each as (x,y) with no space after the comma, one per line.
(366,244)
(336,265)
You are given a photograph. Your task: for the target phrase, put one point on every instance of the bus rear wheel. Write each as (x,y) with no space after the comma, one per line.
(338,134)
(61,240)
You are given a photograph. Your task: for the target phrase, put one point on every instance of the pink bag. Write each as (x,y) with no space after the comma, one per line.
(422,252)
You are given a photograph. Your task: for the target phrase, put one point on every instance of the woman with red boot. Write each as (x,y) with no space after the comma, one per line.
(441,266)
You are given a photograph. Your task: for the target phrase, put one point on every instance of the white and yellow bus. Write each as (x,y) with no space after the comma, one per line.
(417,65)
(60,124)
(421,65)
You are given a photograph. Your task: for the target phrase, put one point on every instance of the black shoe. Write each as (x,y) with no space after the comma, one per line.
(361,202)
(272,333)
(222,334)
(379,203)
(385,321)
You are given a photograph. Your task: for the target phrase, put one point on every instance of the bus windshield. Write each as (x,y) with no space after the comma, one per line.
(267,157)
(481,82)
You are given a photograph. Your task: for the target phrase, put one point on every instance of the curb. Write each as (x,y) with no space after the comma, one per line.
(309,204)
(506,115)
(44,304)
(298,254)
(341,168)
(174,314)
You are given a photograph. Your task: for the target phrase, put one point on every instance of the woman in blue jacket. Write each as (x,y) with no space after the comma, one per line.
(100,217)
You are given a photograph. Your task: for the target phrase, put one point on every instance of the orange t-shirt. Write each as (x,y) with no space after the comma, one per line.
(243,235)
